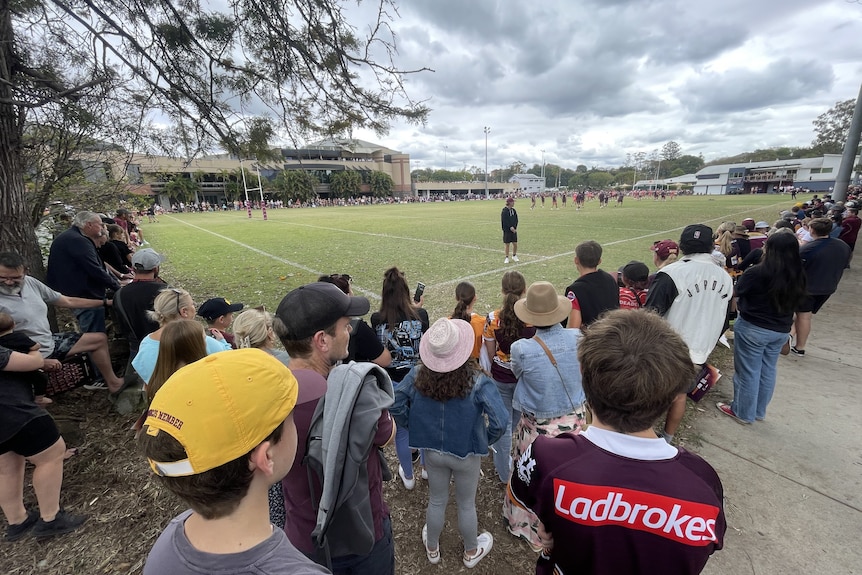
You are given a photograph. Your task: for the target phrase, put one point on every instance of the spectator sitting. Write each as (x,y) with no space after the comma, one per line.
(183,342)
(25,298)
(171,304)
(234,440)
(253,329)
(218,313)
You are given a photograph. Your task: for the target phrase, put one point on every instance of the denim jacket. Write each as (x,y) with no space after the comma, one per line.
(455,427)
(539,391)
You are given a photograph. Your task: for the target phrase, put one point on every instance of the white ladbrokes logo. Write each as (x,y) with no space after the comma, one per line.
(526,464)
(683,521)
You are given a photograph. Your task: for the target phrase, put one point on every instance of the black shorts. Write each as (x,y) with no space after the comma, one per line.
(813,303)
(36,436)
(510,237)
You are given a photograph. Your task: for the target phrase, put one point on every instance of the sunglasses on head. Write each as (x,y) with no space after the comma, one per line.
(347,277)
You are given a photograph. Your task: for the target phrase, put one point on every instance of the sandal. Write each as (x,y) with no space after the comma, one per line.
(433,556)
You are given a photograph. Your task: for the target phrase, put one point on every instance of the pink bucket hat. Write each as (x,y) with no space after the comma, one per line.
(446,345)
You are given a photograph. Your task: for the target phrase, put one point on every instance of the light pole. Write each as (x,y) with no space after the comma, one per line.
(543,164)
(487,131)
(445,159)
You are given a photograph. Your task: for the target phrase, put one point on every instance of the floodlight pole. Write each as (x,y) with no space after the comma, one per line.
(487,131)
(445,159)
(848,159)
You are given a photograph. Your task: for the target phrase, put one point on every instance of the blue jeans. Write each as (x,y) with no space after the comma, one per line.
(441,468)
(90,319)
(403,451)
(755,357)
(381,560)
(503,446)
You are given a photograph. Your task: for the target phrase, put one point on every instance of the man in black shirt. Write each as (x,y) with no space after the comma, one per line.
(509,222)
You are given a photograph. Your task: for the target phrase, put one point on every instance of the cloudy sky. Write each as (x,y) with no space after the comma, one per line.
(589,81)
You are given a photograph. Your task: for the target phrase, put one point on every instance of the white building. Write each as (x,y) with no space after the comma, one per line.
(815,174)
(529,183)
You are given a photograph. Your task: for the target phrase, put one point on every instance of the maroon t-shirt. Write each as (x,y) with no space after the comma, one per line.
(610,514)
(299,510)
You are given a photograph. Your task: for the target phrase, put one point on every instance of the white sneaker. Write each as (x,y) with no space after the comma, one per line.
(505,261)
(424,474)
(483,546)
(433,556)
(409,484)
(515,258)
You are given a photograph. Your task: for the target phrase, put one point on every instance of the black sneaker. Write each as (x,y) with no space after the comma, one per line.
(795,351)
(19,530)
(64,522)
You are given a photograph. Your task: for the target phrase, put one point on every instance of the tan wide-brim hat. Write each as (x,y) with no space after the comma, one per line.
(542,307)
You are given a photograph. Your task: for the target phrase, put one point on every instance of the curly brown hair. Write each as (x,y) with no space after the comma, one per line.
(446,386)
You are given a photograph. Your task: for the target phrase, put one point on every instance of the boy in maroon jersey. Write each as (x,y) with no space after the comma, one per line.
(617,497)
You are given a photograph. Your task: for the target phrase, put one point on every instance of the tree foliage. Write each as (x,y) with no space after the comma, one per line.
(832,127)
(671,151)
(295,185)
(345,184)
(298,64)
(381,184)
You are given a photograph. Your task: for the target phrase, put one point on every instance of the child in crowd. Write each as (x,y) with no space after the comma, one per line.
(443,402)
(17,341)
(635,278)
(616,498)
(218,313)
(465,295)
(218,434)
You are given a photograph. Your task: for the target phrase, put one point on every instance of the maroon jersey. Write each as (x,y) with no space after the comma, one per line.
(611,514)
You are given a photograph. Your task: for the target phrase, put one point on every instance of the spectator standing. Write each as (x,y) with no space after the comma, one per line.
(465,296)
(444,401)
(549,395)
(236,439)
(694,295)
(824,260)
(502,329)
(364,345)
(313,324)
(585,488)
(767,295)
(28,433)
(399,325)
(595,291)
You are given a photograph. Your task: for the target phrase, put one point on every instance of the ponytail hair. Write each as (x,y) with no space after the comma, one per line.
(514,286)
(465,293)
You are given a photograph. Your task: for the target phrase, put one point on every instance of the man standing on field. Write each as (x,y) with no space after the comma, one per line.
(509,222)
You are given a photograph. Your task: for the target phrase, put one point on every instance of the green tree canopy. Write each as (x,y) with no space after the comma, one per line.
(832,126)
(345,184)
(199,65)
(381,184)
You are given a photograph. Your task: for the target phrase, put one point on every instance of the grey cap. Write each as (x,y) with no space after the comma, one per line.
(146,260)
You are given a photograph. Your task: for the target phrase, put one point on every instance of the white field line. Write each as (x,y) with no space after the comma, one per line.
(500,270)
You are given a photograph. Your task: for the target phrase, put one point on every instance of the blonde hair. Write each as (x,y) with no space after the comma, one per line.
(167,305)
(252,328)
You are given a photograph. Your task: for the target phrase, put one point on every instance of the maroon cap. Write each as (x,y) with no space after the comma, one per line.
(665,248)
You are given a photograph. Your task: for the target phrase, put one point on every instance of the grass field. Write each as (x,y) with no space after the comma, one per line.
(257,262)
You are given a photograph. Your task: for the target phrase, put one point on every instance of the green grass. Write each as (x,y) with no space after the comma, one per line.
(258,262)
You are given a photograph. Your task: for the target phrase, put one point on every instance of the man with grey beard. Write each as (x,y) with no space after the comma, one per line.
(25,298)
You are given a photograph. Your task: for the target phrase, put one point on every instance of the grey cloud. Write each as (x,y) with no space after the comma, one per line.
(781,82)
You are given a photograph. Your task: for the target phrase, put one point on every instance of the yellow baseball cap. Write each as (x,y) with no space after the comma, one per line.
(220,408)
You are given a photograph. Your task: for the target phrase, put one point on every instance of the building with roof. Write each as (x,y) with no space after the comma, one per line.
(151,175)
(529,183)
(815,174)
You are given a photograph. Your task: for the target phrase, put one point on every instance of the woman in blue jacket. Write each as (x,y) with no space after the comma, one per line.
(439,400)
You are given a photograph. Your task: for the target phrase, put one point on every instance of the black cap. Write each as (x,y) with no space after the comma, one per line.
(696,239)
(313,307)
(636,272)
(216,307)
